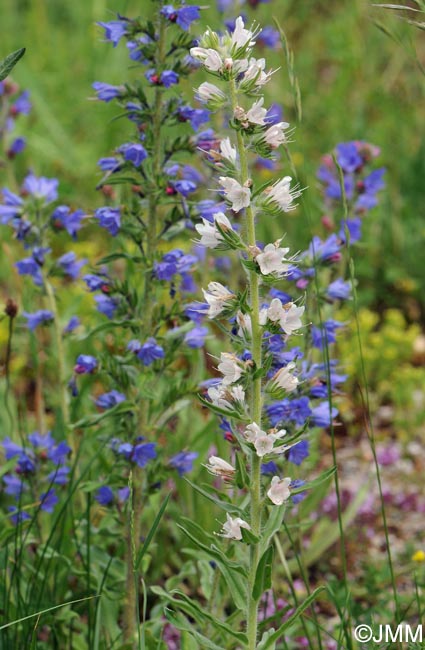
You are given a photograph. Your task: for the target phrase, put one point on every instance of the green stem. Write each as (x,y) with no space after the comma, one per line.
(256,397)
(62,376)
(131,607)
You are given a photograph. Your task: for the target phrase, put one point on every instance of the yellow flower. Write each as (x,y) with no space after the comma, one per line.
(419,556)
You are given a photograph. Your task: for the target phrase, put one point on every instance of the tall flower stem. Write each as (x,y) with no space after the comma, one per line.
(256,398)
(131,608)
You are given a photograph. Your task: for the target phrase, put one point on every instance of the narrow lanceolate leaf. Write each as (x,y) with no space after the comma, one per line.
(7,65)
(263,577)
(152,531)
(46,611)
(269,642)
(182,624)
(224,505)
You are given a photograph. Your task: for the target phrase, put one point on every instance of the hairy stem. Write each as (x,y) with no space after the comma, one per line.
(131,608)
(256,399)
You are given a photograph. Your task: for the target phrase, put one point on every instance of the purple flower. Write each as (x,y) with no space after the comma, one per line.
(269,468)
(97,282)
(339,290)
(14,485)
(183,461)
(184,16)
(62,217)
(354,227)
(110,219)
(150,351)
(172,263)
(104,496)
(321,416)
(72,324)
(123,494)
(269,37)
(195,338)
(348,156)
(325,335)
(40,317)
(41,188)
(70,265)
(295,410)
(29,266)
(195,311)
(167,78)
(12,206)
(326,251)
(59,453)
(196,116)
(108,400)
(109,164)
(59,476)
(106,92)
(48,500)
(106,305)
(143,453)
(22,105)
(134,153)
(16,516)
(114,30)
(299,452)
(86,364)
(16,147)
(297,498)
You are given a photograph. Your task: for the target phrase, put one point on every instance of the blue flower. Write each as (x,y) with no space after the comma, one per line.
(269,468)
(299,452)
(72,324)
(59,453)
(22,105)
(195,311)
(339,290)
(110,219)
(143,453)
(169,78)
(40,317)
(184,187)
(326,334)
(183,461)
(62,217)
(321,416)
(16,147)
(295,410)
(108,400)
(16,516)
(105,92)
(14,485)
(97,282)
(48,500)
(106,305)
(104,495)
(348,156)
(184,16)
(123,494)
(297,498)
(150,351)
(30,266)
(196,116)
(354,227)
(41,188)
(134,153)
(172,263)
(114,30)
(59,476)
(195,338)
(12,206)
(85,364)
(269,37)
(109,164)
(208,208)
(70,265)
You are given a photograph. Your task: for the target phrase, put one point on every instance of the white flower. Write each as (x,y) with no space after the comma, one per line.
(245,325)
(220,467)
(216,297)
(262,441)
(224,397)
(229,368)
(209,92)
(279,490)
(275,311)
(209,57)
(227,151)
(255,70)
(275,135)
(284,379)
(281,194)
(210,234)
(239,196)
(290,318)
(241,36)
(232,527)
(257,114)
(272,259)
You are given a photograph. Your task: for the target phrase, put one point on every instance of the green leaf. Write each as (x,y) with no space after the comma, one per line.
(241,477)
(224,505)
(181,623)
(263,576)
(268,643)
(216,409)
(152,531)
(45,611)
(316,482)
(248,537)
(7,65)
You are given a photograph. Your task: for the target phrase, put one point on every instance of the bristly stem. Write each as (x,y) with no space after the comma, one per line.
(256,397)
(131,607)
